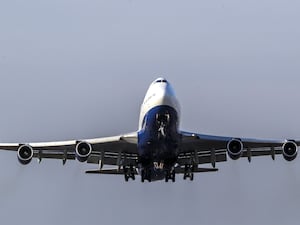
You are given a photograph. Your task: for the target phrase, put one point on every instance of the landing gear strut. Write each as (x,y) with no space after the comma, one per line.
(188,172)
(170,174)
(145,174)
(129,172)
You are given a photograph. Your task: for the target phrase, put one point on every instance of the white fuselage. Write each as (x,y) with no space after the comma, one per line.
(160,93)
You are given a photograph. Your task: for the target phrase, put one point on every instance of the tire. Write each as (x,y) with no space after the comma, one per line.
(143,175)
(173,176)
(192,177)
(126,177)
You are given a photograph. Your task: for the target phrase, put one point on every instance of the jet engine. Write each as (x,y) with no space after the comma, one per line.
(289,150)
(25,154)
(235,148)
(83,151)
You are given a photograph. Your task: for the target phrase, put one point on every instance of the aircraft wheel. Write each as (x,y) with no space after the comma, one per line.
(192,177)
(149,175)
(167,176)
(126,177)
(173,176)
(143,175)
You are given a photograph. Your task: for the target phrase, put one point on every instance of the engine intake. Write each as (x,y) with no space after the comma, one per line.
(289,150)
(83,151)
(25,154)
(235,148)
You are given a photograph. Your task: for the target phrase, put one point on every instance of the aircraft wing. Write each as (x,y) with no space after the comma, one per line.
(202,148)
(107,150)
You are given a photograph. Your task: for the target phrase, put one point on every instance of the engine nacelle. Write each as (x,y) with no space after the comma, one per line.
(289,150)
(25,154)
(83,151)
(235,148)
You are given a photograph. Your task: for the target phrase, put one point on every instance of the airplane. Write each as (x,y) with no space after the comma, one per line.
(158,150)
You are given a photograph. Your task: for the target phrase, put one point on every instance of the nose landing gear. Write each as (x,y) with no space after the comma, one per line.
(162,121)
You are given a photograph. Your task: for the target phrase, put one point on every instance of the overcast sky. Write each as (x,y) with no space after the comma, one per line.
(73,69)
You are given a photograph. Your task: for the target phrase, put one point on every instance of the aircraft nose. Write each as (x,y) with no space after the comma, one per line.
(167,90)
(166,95)
(160,80)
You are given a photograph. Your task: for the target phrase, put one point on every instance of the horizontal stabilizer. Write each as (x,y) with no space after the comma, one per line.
(196,170)
(108,171)
(178,170)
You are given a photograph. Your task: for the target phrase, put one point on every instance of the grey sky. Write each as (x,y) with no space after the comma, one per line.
(80,69)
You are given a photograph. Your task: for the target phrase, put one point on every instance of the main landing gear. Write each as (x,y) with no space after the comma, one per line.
(146,174)
(170,175)
(188,172)
(129,172)
(151,174)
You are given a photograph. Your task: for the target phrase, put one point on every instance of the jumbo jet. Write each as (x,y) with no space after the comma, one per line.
(158,150)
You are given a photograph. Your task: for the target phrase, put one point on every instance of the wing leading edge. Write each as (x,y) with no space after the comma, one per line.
(107,150)
(201,148)
(121,150)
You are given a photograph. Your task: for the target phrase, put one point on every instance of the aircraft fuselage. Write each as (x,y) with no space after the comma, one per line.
(158,136)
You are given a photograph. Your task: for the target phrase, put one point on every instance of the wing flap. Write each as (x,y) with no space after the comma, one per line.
(113,159)
(262,152)
(110,150)
(201,149)
(201,158)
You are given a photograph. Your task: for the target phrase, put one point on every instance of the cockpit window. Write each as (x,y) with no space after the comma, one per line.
(161,81)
